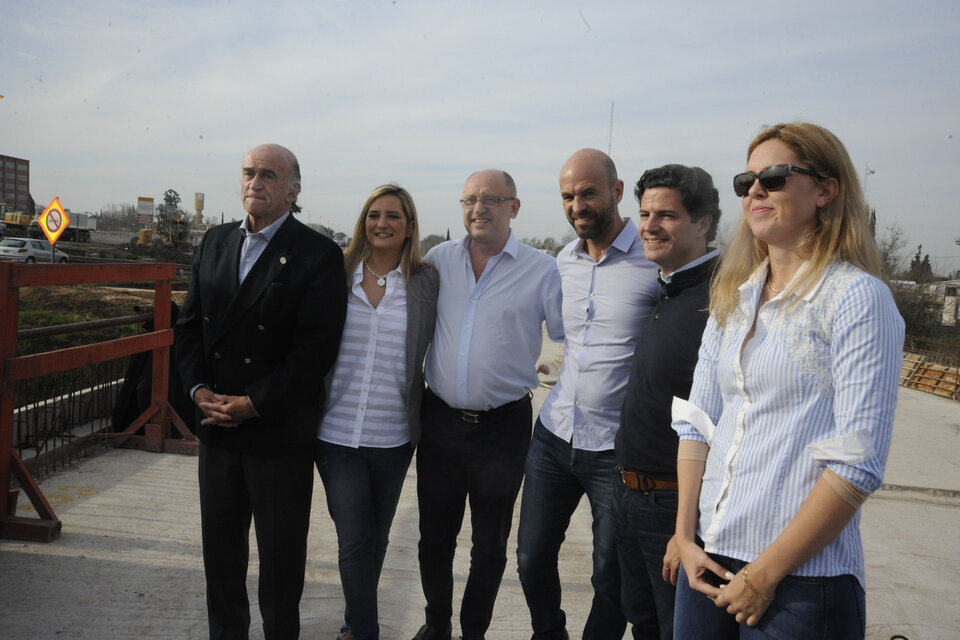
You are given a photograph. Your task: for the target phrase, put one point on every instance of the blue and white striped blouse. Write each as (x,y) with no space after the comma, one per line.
(814,388)
(367,406)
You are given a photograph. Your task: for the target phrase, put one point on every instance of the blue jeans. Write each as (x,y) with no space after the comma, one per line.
(645,524)
(362,488)
(803,609)
(557,476)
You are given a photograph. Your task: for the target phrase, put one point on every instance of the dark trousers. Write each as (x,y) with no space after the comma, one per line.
(363,487)
(831,608)
(457,460)
(276,492)
(645,524)
(557,476)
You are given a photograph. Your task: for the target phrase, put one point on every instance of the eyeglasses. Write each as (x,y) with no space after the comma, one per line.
(773,178)
(486,201)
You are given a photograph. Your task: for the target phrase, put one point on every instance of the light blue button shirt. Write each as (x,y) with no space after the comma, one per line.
(490,331)
(604,304)
(255,243)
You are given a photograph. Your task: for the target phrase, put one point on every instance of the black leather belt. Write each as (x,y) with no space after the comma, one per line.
(476,417)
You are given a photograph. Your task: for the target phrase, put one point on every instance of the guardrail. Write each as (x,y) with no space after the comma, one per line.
(156,421)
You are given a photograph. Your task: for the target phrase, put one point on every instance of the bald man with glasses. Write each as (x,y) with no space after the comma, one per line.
(495,295)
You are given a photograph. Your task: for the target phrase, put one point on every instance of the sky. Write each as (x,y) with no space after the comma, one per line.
(111,99)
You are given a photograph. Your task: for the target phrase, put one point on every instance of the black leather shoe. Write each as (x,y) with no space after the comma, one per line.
(430,633)
(566,636)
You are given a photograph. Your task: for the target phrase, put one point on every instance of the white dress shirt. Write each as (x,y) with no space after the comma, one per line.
(490,331)
(367,407)
(604,304)
(814,388)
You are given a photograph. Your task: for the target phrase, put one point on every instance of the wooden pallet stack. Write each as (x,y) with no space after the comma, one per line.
(918,373)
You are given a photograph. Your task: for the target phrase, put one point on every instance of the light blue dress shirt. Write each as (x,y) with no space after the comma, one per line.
(604,304)
(490,331)
(255,243)
(814,388)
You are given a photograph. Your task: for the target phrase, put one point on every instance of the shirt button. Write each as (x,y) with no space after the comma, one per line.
(216,355)
(206,318)
(260,327)
(247,361)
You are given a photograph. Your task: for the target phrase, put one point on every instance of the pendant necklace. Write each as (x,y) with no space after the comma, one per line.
(381,279)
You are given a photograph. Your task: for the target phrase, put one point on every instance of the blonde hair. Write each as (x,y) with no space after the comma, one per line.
(842,231)
(359,248)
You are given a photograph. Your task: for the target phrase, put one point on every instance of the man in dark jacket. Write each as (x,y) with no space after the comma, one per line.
(258,331)
(679,213)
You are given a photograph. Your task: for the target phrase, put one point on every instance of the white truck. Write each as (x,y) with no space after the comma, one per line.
(81,224)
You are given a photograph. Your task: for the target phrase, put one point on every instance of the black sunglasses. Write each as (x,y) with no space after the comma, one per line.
(772,178)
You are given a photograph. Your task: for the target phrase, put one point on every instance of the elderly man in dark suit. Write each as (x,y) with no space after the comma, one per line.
(259,329)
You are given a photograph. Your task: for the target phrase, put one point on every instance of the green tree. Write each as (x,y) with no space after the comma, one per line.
(919,308)
(430,241)
(171,206)
(920,270)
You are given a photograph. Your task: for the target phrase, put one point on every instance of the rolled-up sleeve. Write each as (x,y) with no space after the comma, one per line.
(866,354)
(705,393)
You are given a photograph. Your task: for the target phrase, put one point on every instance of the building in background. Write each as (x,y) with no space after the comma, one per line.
(15,183)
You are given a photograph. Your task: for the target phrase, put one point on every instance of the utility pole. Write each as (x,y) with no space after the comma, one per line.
(610,141)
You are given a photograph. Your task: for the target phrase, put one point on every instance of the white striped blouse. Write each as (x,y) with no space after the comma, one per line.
(814,388)
(367,403)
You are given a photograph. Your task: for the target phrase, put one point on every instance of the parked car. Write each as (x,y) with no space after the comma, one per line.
(29,250)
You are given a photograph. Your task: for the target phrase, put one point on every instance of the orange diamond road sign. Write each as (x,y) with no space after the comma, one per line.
(54,220)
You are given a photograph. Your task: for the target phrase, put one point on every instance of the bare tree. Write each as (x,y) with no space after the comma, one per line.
(891,244)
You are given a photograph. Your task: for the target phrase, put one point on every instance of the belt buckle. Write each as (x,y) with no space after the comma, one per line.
(473,417)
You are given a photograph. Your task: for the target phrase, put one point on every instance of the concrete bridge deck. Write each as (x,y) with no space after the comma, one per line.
(128,564)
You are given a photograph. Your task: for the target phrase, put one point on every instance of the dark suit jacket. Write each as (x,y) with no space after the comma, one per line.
(273,338)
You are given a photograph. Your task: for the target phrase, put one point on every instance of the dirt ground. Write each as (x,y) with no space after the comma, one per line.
(90,300)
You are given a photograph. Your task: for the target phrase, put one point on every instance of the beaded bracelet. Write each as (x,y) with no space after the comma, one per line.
(746,581)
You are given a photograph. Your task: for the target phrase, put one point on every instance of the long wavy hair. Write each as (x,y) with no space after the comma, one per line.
(842,231)
(359,248)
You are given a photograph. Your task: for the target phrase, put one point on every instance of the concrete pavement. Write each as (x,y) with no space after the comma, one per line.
(128,564)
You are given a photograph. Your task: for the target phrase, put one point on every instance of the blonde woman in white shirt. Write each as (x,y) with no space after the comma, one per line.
(791,412)
(372,420)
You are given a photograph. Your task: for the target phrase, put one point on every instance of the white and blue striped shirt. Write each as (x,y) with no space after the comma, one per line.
(814,388)
(367,403)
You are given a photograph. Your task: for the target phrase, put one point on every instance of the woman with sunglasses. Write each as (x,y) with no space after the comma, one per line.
(372,420)
(789,420)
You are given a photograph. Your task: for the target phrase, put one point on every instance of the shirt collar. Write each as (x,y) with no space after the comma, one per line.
(358,272)
(711,253)
(267,232)
(511,248)
(622,243)
(759,276)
